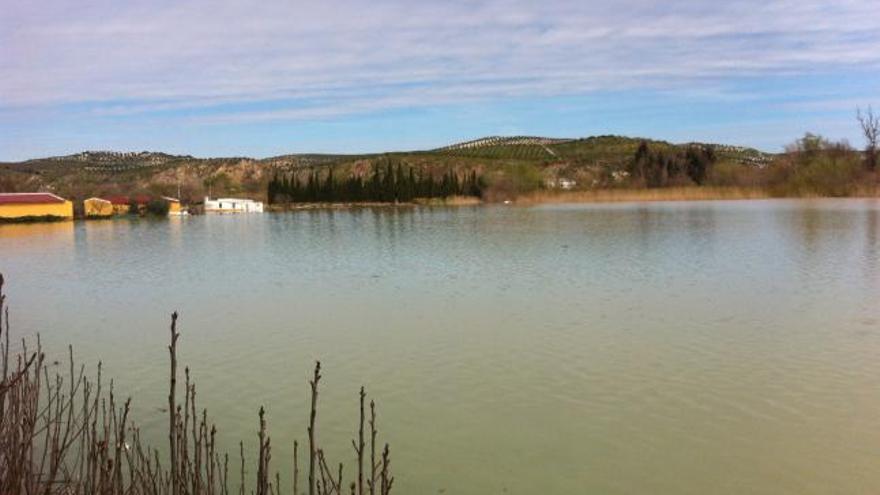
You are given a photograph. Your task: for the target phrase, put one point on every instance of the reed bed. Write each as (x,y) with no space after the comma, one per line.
(693,193)
(68,433)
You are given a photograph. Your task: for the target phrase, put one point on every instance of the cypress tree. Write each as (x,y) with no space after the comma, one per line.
(390,182)
(398,183)
(285,188)
(273,189)
(310,188)
(411,184)
(327,191)
(374,189)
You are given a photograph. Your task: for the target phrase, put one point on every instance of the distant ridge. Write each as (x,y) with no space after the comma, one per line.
(490,147)
(513,161)
(504,141)
(119,156)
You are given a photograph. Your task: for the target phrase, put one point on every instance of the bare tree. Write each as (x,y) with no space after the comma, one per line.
(870,125)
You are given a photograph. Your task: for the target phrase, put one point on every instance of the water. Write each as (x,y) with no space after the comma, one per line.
(667,348)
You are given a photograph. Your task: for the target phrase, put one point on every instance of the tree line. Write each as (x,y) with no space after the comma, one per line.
(388,183)
(660,168)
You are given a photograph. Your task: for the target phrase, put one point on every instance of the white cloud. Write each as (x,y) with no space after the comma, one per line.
(334,57)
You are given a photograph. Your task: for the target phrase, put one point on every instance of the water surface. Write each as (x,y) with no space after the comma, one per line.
(666,348)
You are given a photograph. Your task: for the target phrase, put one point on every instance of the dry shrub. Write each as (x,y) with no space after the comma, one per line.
(66,433)
(732,174)
(813,166)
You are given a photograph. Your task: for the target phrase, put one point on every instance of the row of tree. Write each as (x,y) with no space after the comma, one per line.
(659,168)
(386,184)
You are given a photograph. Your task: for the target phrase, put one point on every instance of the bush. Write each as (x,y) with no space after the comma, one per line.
(158,207)
(828,175)
(511,181)
(813,166)
(732,174)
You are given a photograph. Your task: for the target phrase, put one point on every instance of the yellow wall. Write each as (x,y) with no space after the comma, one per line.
(64,210)
(120,209)
(97,208)
(173,207)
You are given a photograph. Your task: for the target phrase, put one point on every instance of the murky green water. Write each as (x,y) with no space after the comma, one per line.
(678,348)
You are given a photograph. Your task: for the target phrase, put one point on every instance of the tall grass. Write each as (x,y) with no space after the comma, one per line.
(67,433)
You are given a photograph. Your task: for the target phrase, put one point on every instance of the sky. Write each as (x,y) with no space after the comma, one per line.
(245,78)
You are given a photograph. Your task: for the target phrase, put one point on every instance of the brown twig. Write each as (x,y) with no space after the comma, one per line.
(312,415)
(172,406)
(62,434)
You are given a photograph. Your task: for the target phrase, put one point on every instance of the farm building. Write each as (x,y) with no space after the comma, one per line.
(121,204)
(232,205)
(23,206)
(98,207)
(173,206)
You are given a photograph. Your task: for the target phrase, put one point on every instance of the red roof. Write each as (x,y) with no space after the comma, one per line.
(29,198)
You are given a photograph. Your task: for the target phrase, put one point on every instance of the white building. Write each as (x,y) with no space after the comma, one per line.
(232,205)
(567,183)
(561,183)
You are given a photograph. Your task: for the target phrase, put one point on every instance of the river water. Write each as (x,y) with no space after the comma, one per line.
(664,348)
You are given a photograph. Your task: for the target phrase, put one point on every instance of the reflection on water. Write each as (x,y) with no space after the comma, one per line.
(676,348)
(30,233)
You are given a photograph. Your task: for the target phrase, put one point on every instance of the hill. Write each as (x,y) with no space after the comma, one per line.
(510,164)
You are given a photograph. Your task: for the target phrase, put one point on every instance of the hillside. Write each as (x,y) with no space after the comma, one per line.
(511,164)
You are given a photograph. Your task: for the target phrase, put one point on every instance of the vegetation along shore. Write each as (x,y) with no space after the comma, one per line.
(518,169)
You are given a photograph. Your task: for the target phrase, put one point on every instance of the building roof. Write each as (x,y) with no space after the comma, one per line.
(29,198)
(99,199)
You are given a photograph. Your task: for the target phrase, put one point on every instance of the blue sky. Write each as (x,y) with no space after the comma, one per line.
(239,78)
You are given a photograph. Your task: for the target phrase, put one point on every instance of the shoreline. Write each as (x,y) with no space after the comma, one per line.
(536,198)
(598,196)
(672,194)
(645,195)
(450,201)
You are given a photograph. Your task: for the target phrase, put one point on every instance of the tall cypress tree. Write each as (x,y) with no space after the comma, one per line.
(327,190)
(397,182)
(272,189)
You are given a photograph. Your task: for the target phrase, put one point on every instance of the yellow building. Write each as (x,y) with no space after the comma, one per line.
(173,206)
(122,204)
(97,207)
(22,206)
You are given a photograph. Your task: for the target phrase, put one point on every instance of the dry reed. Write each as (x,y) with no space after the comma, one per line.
(703,193)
